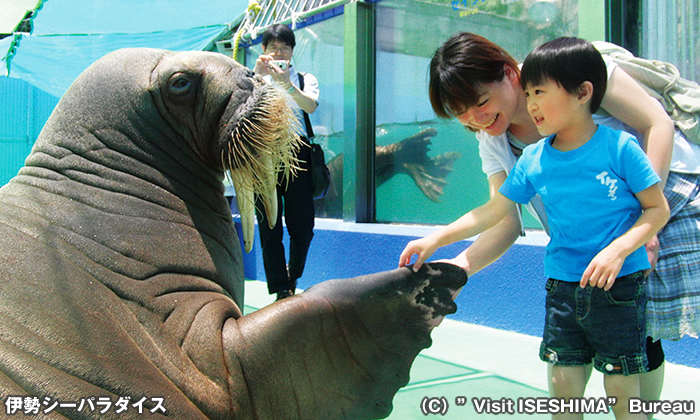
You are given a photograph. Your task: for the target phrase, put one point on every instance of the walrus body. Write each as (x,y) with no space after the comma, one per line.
(121,275)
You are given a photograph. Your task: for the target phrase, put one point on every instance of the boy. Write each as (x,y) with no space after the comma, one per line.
(603,202)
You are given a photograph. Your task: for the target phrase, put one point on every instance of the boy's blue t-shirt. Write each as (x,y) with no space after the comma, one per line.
(588,194)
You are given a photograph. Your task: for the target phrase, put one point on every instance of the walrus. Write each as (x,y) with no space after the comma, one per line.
(122,277)
(408,156)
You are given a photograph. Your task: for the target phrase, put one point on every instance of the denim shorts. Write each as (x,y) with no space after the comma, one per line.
(591,324)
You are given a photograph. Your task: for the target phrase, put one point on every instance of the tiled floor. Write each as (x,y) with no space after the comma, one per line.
(468,364)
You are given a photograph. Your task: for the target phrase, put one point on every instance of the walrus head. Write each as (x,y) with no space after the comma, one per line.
(222,119)
(244,126)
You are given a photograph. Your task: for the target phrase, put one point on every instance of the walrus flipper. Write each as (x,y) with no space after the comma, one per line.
(343,348)
(410,156)
(431,177)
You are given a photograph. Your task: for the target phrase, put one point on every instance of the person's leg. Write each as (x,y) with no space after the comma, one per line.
(564,343)
(617,330)
(623,387)
(651,384)
(652,381)
(274,260)
(299,215)
(568,382)
(673,284)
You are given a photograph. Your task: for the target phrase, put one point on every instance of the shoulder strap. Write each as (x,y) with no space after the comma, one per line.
(307,122)
(680,97)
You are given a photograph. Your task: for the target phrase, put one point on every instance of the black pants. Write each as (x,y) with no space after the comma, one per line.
(295,200)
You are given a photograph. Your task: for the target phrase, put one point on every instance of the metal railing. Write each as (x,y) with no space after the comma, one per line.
(297,13)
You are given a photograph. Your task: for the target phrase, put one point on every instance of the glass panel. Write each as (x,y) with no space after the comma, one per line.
(408,32)
(319,51)
(671,33)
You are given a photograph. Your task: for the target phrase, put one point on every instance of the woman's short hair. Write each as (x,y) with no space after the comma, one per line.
(279,33)
(568,61)
(460,68)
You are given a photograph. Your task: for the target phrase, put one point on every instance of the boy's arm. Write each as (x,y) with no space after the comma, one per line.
(627,101)
(604,268)
(472,223)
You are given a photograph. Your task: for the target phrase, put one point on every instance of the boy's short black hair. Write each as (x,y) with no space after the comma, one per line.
(568,61)
(279,33)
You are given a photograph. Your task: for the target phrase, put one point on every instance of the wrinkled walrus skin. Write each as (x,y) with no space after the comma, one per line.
(121,274)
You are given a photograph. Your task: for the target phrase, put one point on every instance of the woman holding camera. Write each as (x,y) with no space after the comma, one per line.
(296,196)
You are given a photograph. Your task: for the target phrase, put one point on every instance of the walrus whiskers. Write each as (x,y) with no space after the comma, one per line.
(271,131)
(262,145)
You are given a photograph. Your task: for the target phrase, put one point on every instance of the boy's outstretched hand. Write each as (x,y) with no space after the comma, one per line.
(423,247)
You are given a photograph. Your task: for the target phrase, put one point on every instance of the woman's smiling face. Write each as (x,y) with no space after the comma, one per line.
(496,107)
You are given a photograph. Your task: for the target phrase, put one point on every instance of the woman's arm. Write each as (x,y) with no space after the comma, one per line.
(305,102)
(627,101)
(264,68)
(494,242)
(472,223)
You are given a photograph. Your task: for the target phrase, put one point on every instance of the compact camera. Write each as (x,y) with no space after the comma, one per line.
(282,64)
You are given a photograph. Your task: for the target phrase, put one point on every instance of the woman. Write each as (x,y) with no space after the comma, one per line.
(478,83)
(296,196)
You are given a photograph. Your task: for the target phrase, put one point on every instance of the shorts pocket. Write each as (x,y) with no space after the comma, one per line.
(626,290)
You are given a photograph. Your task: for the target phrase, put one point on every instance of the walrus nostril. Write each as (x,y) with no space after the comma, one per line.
(246,83)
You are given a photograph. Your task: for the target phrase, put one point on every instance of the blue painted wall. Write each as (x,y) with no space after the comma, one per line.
(508,294)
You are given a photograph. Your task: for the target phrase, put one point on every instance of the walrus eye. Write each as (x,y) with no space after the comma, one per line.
(180,84)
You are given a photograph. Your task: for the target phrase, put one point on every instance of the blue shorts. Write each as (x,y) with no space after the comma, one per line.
(590,324)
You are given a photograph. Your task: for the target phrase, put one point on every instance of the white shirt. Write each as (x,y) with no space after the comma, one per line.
(310,90)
